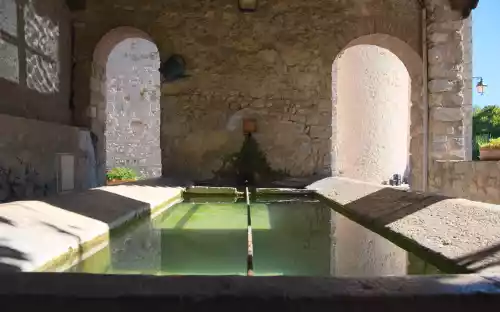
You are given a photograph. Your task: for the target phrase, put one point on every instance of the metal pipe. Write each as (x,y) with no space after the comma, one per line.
(249,236)
(425,98)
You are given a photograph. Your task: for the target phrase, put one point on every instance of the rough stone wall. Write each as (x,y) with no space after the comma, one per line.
(28,162)
(474,180)
(450,70)
(35,59)
(273,64)
(133,107)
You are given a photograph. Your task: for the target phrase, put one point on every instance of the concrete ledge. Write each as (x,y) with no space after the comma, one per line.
(203,190)
(283,191)
(84,292)
(59,230)
(456,235)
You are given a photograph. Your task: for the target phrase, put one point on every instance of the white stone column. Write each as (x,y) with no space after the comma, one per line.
(372,114)
(373,104)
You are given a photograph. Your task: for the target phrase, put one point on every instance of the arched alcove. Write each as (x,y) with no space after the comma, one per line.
(125,103)
(378,132)
(413,63)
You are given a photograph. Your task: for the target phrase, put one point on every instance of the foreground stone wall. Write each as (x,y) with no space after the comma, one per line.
(29,157)
(475,180)
(35,60)
(274,65)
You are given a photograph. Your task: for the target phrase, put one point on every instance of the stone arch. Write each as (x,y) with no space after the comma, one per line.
(98,89)
(413,63)
(352,239)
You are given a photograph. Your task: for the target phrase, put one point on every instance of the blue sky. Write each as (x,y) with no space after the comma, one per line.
(486,41)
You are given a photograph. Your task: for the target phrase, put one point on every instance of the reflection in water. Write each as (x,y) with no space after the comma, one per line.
(290,238)
(42,36)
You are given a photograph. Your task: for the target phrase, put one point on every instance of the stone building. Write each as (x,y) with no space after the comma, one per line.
(285,64)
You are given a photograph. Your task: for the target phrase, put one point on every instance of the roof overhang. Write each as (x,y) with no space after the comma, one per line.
(464,6)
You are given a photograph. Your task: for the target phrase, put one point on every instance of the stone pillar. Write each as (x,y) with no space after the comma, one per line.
(450,95)
(373,104)
(372,113)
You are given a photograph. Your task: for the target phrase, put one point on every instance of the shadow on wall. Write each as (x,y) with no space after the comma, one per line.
(42,42)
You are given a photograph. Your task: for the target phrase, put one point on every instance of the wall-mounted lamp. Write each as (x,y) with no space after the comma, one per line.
(247,5)
(480,86)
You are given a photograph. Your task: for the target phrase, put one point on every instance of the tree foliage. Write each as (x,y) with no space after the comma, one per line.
(486,120)
(485,125)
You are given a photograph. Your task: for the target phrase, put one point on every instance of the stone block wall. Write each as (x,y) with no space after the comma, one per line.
(474,180)
(35,60)
(273,65)
(29,151)
(450,73)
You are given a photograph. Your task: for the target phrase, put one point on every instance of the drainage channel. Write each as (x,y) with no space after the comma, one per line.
(249,235)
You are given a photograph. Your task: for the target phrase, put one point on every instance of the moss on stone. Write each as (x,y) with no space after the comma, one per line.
(248,165)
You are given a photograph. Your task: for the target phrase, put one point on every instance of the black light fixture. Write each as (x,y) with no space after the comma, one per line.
(480,86)
(76,5)
(173,68)
(247,5)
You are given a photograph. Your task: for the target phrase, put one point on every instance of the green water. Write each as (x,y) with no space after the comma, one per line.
(289,238)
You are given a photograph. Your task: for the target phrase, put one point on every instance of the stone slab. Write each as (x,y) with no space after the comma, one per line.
(84,292)
(203,190)
(33,233)
(457,235)
(283,191)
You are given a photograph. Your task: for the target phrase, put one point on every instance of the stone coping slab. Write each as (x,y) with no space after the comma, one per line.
(35,233)
(205,190)
(457,235)
(84,292)
(283,191)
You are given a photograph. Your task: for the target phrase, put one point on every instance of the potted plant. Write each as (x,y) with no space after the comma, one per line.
(490,150)
(121,175)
